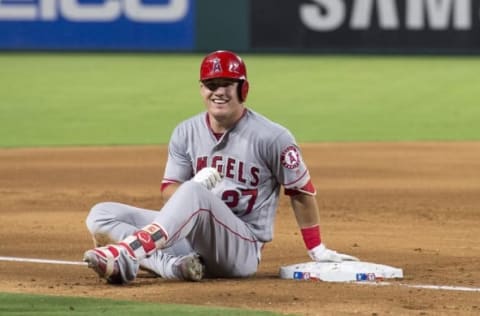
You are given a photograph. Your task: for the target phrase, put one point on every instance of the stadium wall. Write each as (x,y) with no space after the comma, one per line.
(338,26)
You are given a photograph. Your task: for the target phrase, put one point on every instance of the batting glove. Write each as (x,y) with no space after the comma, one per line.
(323,254)
(208,177)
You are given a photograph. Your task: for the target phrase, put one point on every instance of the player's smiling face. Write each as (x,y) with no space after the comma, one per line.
(221,99)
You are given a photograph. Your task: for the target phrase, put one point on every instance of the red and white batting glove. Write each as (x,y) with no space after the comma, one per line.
(208,177)
(322,254)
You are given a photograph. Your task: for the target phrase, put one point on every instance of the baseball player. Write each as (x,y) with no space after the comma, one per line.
(221,187)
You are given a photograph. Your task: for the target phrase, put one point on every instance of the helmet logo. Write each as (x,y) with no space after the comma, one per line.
(217,67)
(233,67)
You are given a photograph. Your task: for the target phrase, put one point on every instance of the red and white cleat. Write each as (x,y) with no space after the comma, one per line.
(113,263)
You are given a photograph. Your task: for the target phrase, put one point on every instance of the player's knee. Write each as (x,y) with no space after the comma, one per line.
(98,214)
(191,189)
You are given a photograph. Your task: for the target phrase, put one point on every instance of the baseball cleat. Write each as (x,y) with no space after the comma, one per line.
(115,263)
(104,261)
(189,268)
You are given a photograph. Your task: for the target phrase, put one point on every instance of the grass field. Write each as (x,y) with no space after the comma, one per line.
(25,305)
(75,99)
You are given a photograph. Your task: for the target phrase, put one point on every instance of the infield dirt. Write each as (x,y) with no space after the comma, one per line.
(414,206)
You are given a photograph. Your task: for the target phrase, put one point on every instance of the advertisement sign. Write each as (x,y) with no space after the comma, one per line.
(97,24)
(366,25)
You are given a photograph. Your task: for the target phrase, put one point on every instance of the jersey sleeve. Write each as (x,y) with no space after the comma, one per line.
(178,168)
(289,167)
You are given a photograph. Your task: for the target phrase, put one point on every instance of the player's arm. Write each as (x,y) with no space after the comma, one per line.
(208,177)
(306,212)
(178,168)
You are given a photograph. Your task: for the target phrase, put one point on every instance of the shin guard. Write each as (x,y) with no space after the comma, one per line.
(145,241)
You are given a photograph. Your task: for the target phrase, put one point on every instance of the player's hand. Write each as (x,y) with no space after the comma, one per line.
(323,254)
(208,177)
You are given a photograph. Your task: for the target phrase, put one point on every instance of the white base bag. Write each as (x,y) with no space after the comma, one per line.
(346,271)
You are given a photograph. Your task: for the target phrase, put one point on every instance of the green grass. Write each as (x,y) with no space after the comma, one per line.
(22,304)
(372,98)
(108,99)
(93,99)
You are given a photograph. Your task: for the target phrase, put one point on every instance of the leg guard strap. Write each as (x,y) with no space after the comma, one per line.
(145,241)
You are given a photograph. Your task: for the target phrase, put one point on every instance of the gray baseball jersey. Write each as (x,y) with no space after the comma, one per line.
(255,158)
(229,227)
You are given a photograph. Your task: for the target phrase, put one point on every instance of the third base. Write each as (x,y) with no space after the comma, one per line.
(346,271)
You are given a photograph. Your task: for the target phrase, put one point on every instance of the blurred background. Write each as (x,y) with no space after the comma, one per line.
(340,26)
(108,72)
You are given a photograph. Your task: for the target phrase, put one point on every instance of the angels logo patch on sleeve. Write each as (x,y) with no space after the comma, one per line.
(290,157)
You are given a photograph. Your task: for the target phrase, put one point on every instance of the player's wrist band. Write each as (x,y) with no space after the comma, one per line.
(311,236)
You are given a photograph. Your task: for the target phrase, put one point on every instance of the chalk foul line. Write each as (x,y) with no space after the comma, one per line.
(37,260)
(381,283)
(424,286)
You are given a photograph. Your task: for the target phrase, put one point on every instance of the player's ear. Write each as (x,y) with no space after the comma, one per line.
(242,90)
(202,90)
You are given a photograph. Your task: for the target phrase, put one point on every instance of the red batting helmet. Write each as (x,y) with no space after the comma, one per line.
(225,64)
